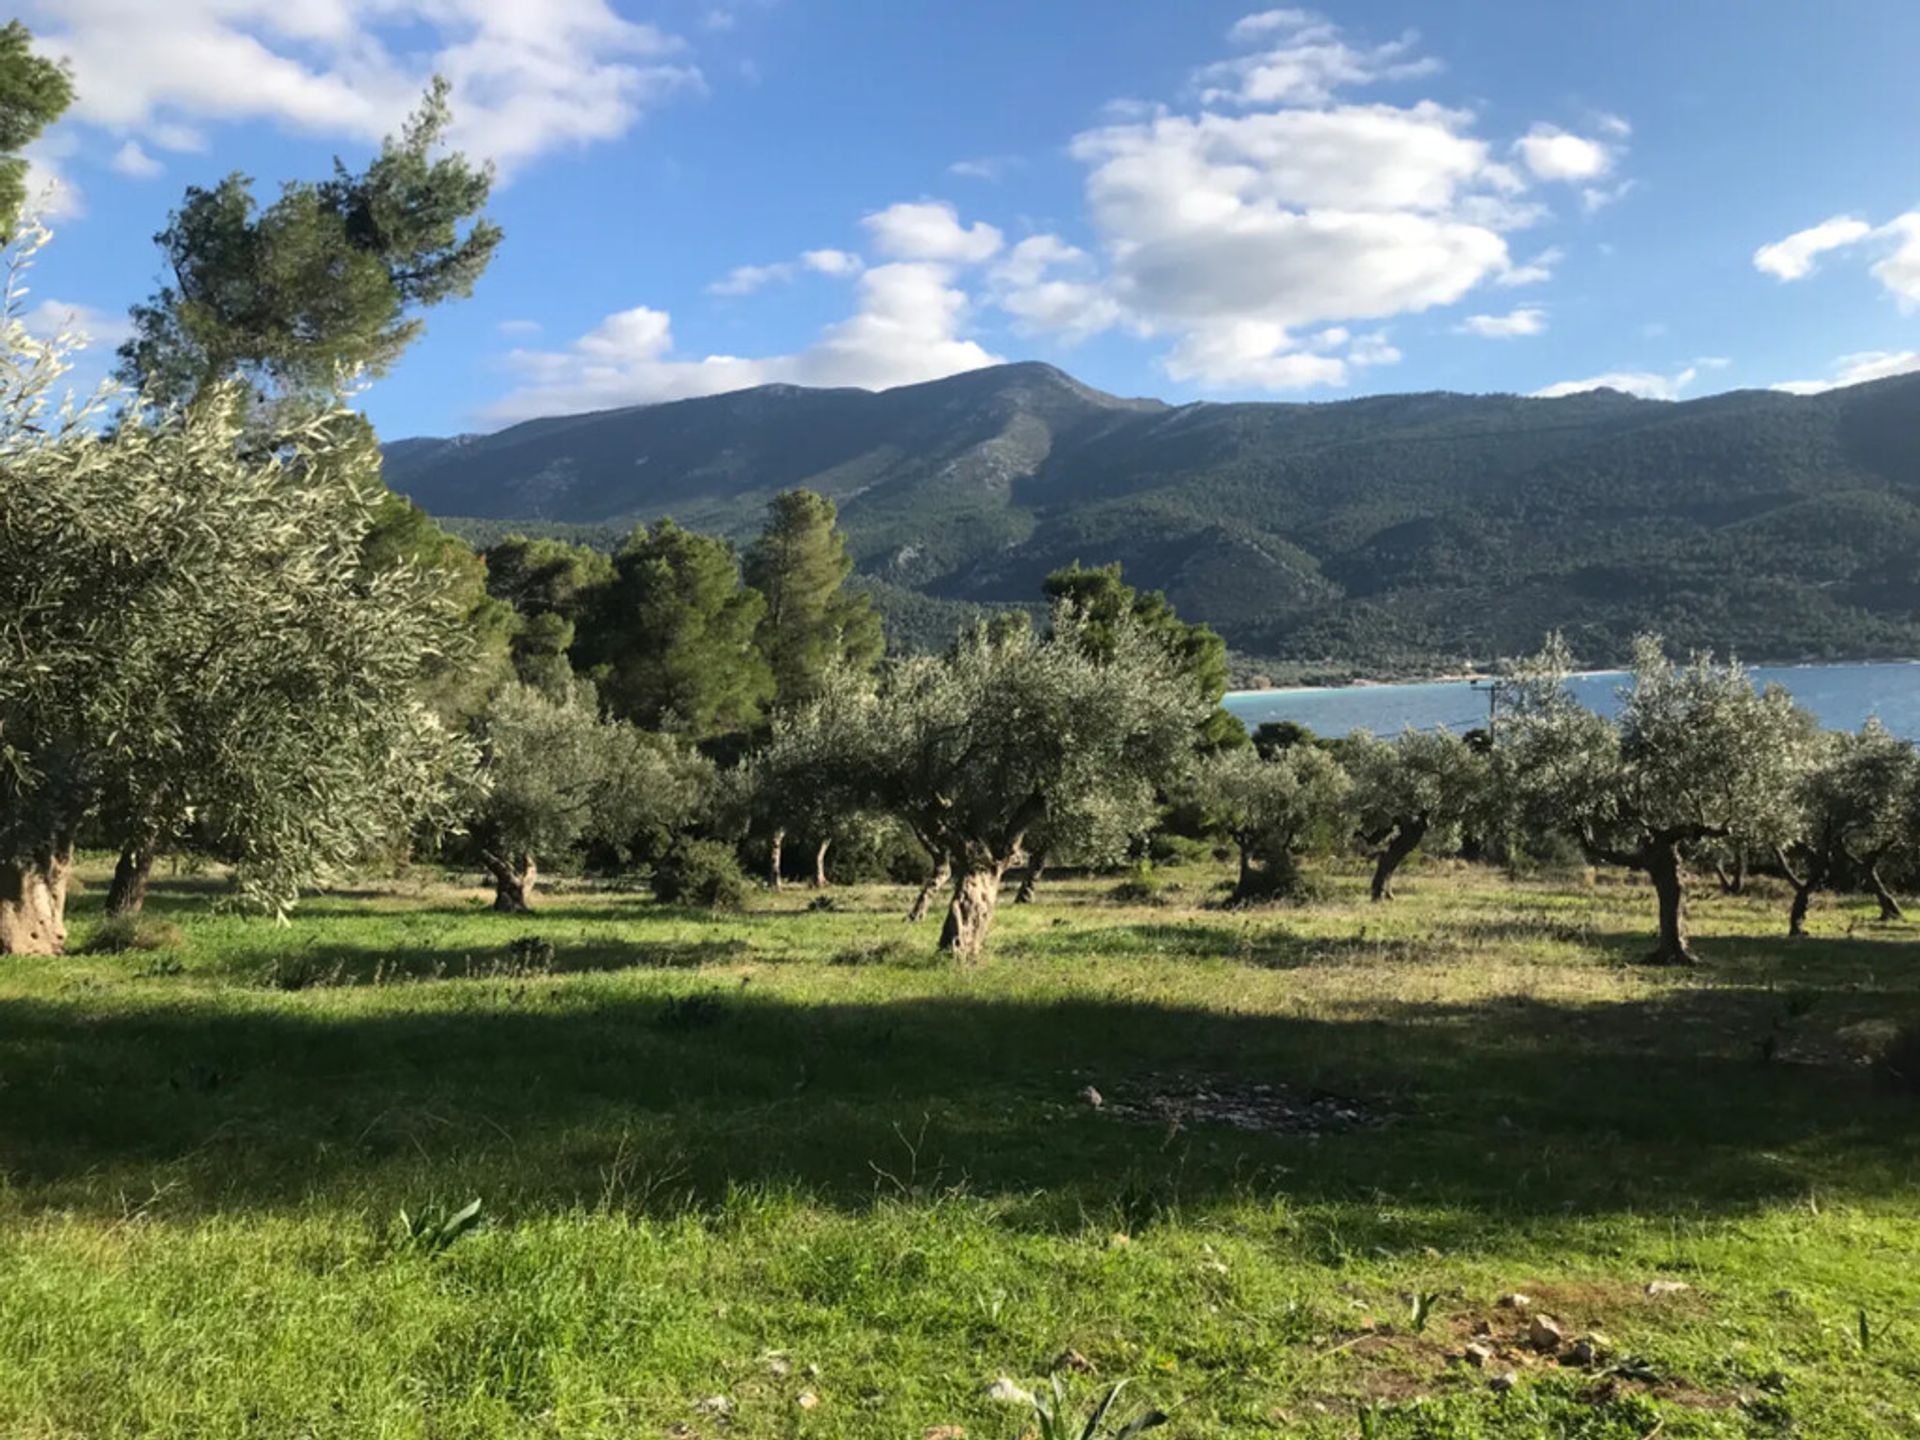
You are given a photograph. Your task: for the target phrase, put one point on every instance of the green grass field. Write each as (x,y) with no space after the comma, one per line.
(788,1159)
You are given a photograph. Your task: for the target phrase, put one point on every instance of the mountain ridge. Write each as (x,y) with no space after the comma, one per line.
(1382,532)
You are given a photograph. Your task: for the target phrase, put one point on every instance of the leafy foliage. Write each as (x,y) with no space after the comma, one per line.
(34,92)
(327,277)
(1272,809)
(700,872)
(812,622)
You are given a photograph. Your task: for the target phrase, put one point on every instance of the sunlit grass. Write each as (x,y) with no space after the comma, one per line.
(790,1153)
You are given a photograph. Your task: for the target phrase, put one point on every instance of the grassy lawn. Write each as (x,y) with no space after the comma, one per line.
(787,1159)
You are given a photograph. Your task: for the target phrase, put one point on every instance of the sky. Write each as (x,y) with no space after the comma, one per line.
(1179,198)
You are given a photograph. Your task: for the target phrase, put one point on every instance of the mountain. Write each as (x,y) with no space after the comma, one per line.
(1386,533)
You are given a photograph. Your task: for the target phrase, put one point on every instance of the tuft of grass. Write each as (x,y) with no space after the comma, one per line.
(122,934)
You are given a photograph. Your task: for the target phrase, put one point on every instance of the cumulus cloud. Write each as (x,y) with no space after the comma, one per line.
(930,230)
(1857,369)
(1048,287)
(1646,384)
(96,329)
(1550,153)
(1793,257)
(906,329)
(745,279)
(1533,272)
(1525,321)
(1897,241)
(528,77)
(130,159)
(1299,58)
(984,167)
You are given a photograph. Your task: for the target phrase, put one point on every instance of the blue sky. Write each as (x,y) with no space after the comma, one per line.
(1171,197)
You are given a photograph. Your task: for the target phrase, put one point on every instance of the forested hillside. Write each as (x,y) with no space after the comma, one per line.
(1392,532)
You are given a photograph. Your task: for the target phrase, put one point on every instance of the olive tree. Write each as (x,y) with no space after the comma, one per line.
(1696,754)
(1010,731)
(190,634)
(558,775)
(810,776)
(1856,807)
(1270,809)
(1427,787)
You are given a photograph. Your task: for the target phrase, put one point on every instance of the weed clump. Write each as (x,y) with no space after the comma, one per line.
(119,934)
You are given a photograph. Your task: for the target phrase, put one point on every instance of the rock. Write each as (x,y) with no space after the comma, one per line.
(1583,1353)
(1477,1355)
(778,1365)
(1657,1288)
(1093,1097)
(1500,1384)
(1543,1334)
(1515,1301)
(1005,1392)
(806,1400)
(718,1406)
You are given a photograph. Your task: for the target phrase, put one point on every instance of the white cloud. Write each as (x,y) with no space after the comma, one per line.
(906,329)
(718,19)
(1857,369)
(528,77)
(1071,305)
(519,327)
(1899,272)
(52,194)
(130,159)
(1303,61)
(984,167)
(1550,153)
(1645,384)
(1793,257)
(745,279)
(97,329)
(930,230)
(1540,268)
(1525,321)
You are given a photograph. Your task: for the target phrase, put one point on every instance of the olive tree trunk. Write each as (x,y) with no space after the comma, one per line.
(820,880)
(1889,907)
(513,882)
(774,847)
(127,895)
(923,902)
(33,902)
(1406,839)
(1804,883)
(1036,867)
(976,891)
(1663,867)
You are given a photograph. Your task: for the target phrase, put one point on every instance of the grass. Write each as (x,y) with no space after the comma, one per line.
(783,1174)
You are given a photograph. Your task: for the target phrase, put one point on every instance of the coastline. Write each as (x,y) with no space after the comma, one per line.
(1469,677)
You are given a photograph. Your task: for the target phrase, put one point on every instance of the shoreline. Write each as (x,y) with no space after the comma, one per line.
(1470,677)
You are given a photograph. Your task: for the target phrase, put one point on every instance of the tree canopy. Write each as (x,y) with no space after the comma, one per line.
(1424,787)
(34,92)
(330,276)
(1271,808)
(812,623)
(195,639)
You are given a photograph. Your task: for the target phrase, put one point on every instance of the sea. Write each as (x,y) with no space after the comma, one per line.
(1844,697)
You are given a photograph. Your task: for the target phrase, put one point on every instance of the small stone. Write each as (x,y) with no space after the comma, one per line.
(716,1405)
(1005,1392)
(1657,1288)
(1093,1097)
(1500,1384)
(1583,1353)
(806,1400)
(778,1365)
(1477,1355)
(1543,1334)
(1515,1301)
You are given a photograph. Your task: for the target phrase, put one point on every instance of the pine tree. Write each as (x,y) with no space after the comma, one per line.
(813,623)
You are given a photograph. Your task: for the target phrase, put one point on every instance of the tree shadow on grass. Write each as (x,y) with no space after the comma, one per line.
(530,1091)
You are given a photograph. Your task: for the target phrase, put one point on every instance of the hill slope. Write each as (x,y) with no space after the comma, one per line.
(1386,532)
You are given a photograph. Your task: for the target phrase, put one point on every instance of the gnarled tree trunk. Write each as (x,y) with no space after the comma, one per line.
(1036,867)
(127,895)
(1889,907)
(820,880)
(774,847)
(33,902)
(976,891)
(513,882)
(923,902)
(1804,883)
(1405,840)
(1662,862)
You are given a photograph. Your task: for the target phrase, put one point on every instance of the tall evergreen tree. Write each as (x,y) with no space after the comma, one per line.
(34,92)
(550,585)
(813,624)
(329,275)
(671,638)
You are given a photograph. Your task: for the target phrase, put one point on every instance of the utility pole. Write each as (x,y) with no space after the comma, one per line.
(1494,688)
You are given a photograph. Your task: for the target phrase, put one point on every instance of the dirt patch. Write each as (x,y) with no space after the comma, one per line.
(1181,1101)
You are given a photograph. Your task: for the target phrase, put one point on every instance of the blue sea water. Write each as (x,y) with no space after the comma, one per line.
(1843,696)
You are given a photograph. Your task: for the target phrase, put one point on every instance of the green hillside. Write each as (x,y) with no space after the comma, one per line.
(1385,533)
